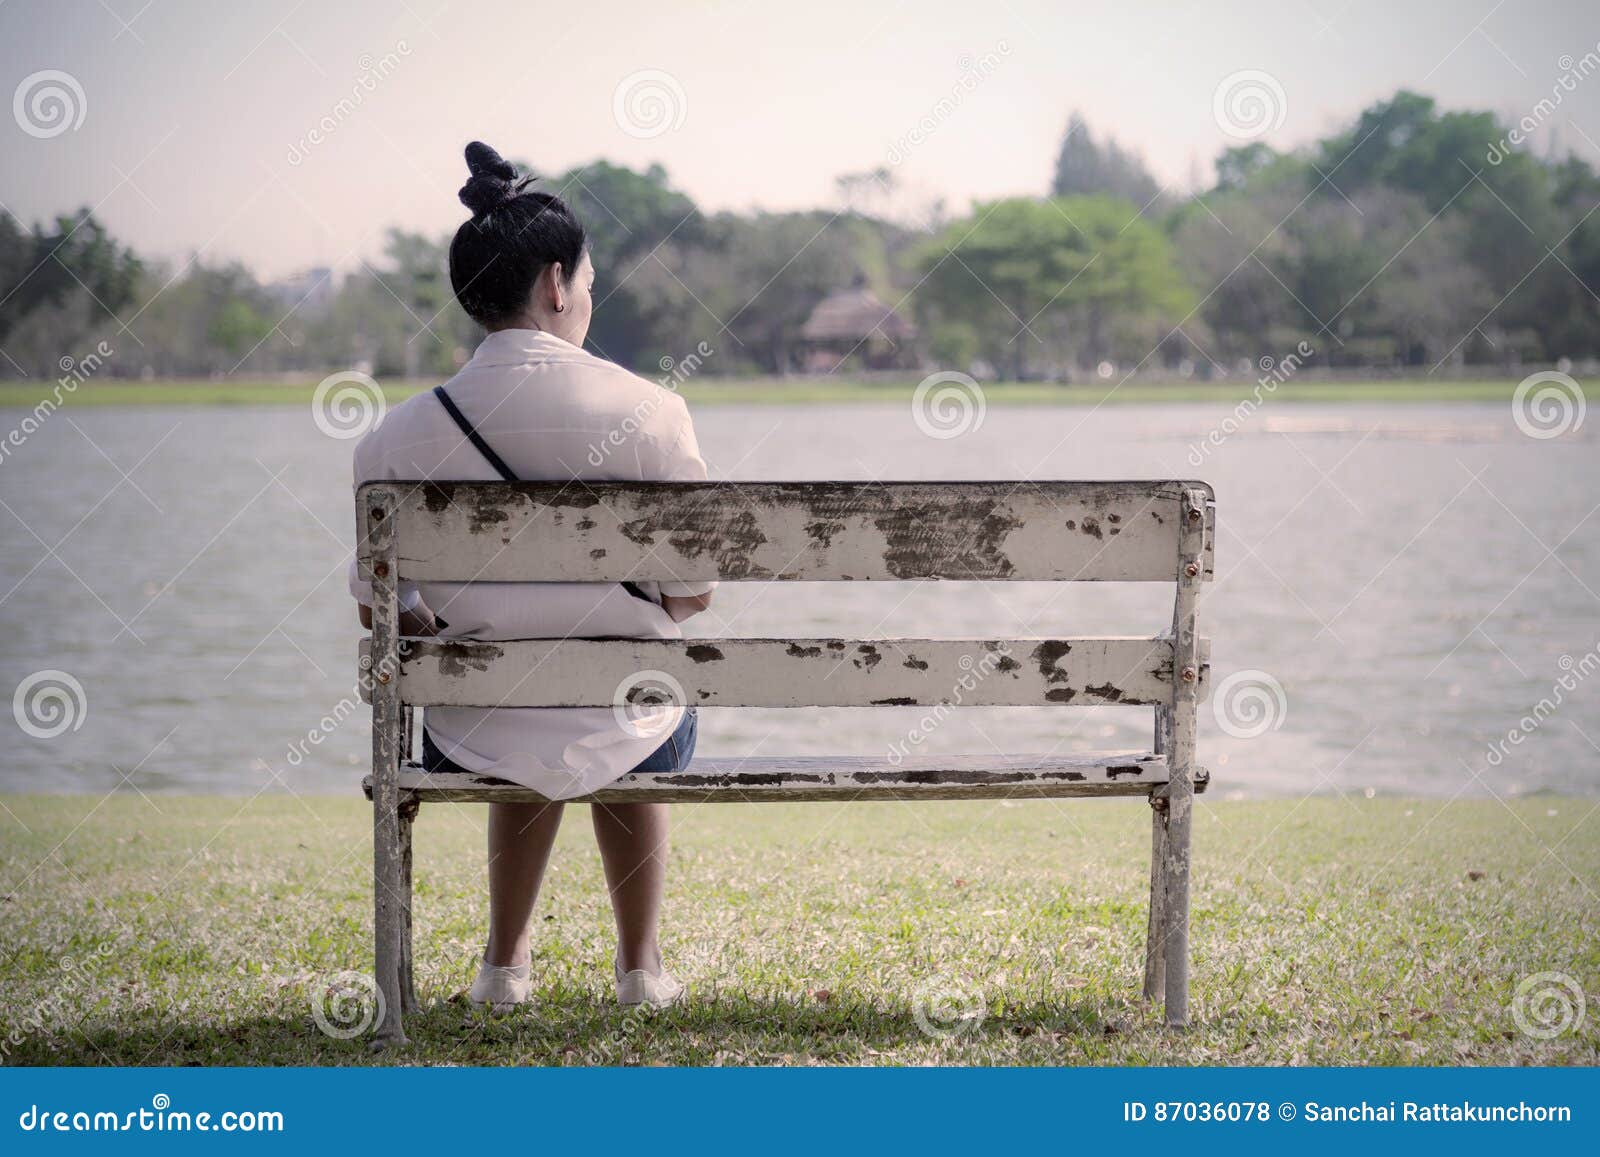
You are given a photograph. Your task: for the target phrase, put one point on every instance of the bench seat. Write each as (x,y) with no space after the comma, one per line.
(836,777)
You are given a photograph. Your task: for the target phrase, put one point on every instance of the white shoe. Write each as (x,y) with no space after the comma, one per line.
(658,989)
(501,986)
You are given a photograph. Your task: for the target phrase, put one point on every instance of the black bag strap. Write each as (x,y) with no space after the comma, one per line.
(500,466)
(473,436)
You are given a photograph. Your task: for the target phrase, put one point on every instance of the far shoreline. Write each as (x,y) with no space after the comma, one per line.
(799,391)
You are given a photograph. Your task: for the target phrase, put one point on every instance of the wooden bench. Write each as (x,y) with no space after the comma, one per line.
(778,532)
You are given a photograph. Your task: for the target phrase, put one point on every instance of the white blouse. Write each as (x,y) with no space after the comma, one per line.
(553,412)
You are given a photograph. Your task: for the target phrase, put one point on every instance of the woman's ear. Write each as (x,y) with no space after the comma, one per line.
(558,300)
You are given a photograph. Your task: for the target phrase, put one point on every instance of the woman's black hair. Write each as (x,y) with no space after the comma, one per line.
(512,236)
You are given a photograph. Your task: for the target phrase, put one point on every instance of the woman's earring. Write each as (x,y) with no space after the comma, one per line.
(561,309)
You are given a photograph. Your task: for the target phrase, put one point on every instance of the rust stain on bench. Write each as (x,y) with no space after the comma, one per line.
(456,659)
(912,533)
(968,777)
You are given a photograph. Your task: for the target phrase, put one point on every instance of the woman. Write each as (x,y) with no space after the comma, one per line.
(533,404)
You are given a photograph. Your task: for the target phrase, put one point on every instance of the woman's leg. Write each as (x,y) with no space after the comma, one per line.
(520,838)
(633,847)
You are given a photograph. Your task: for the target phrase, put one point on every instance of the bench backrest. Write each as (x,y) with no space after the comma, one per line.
(789,531)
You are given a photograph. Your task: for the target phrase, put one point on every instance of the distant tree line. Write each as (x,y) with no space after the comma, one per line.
(1406,240)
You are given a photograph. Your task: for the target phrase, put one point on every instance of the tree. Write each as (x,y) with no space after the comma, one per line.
(638,228)
(417,274)
(1507,206)
(862,192)
(1076,279)
(1085,168)
(76,258)
(762,275)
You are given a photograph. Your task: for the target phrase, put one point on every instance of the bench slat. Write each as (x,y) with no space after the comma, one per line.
(1127,671)
(609,531)
(809,778)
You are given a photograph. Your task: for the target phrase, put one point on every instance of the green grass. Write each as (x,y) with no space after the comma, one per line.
(794,391)
(1333,931)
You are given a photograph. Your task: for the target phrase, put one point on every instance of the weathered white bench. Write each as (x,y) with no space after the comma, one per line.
(782,531)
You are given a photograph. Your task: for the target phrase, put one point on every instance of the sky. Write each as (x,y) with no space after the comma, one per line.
(290,134)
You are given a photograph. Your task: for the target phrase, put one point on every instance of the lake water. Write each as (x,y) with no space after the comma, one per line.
(1414,578)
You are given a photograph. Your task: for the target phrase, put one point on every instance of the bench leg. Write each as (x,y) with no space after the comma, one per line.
(1155,956)
(389,885)
(1178,726)
(1175,905)
(408,988)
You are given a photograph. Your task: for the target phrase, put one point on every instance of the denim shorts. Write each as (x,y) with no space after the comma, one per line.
(674,753)
(677,751)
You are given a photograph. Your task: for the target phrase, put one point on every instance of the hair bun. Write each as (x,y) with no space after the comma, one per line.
(493,181)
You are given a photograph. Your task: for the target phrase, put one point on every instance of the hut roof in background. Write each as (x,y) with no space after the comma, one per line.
(853,314)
